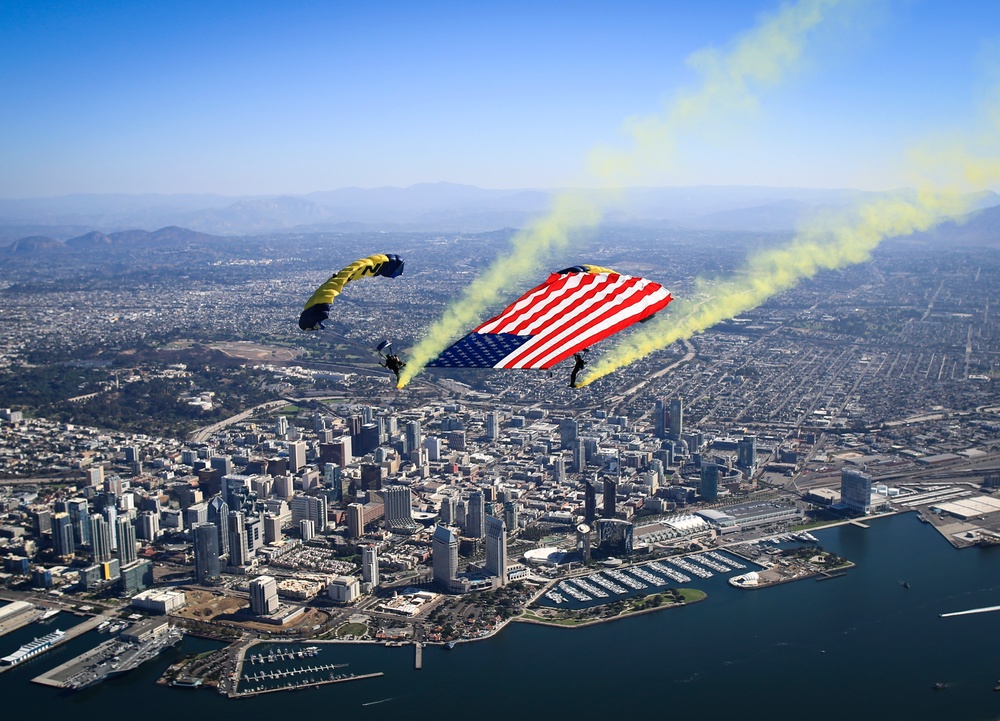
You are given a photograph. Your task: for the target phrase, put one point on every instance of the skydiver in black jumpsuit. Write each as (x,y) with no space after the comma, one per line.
(393,363)
(578,365)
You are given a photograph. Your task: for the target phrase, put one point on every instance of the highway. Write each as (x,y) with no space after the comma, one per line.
(203,434)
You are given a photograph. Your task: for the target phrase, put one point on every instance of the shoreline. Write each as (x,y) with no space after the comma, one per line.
(628,614)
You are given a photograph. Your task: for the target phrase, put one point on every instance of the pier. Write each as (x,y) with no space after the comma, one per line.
(306,684)
(271,675)
(283,655)
(418,660)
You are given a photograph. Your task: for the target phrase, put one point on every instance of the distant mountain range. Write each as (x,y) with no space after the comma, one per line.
(97,220)
(96,240)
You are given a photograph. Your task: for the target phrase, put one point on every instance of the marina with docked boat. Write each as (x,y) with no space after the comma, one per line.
(605,585)
(244,670)
(281,671)
(618,590)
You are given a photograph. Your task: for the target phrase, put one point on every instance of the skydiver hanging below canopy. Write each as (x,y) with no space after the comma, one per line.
(579,361)
(390,360)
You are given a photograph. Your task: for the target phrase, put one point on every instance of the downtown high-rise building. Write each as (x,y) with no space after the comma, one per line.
(148,526)
(589,501)
(569,429)
(79,515)
(492,425)
(434,446)
(331,478)
(125,538)
(355,520)
(95,476)
(449,510)
(371,477)
(496,549)
(41,521)
(657,468)
(272,529)
(610,498)
(239,553)
(284,487)
(856,490)
(475,517)
(263,596)
(661,419)
(709,487)
(110,514)
(113,486)
(207,566)
(510,518)
(312,508)
(100,539)
(559,469)
(339,451)
(414,437)
(218,515)
(222,464)
(307,530)
(194,514)
(367,439)
(746,453)
(676,429)
(296,455)
(369,565)
(399,510)
(444,556)
(579,455)
(63,540)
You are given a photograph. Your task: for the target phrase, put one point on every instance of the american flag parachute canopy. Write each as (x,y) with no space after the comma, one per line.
(573,309)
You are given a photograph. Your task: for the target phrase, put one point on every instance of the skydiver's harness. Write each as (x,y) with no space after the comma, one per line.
(393,363)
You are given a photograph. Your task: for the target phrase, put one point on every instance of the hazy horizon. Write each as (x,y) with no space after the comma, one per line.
(446,183)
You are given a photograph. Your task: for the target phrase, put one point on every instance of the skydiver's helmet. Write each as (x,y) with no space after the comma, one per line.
(312,317)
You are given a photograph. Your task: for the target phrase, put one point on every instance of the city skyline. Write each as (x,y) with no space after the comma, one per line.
(456,510)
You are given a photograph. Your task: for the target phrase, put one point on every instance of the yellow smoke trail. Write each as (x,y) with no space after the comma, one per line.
(762,56)
(775,270)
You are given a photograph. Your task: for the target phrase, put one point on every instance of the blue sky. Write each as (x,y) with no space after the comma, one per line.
(293,97)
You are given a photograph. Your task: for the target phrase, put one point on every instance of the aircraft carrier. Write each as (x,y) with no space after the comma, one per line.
(109,659)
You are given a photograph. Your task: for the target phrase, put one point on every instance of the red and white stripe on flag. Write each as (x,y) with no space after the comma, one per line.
(572,311)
